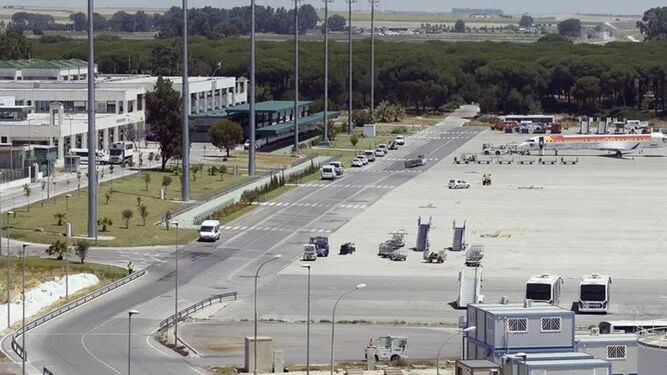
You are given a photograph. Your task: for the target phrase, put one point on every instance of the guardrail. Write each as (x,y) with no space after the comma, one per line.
(197,306)
(47,372)
(18,349)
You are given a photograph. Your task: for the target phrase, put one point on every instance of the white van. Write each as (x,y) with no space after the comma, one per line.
(209,230)
(328,172)
(370,155)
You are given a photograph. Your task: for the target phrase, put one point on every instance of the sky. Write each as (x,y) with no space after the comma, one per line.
(509,6)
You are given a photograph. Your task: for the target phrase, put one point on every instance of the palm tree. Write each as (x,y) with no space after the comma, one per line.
(127,215)
(60,216)
(143,212)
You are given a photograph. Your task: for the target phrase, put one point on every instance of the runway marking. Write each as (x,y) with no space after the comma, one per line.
(350,186)
(285,204)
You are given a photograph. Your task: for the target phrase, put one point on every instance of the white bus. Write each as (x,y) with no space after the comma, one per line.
(101,157)
(544,288)
(535,119)
(121,152)
(594,293)
(632,326)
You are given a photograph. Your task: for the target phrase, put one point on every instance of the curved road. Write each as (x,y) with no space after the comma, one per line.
(92,339)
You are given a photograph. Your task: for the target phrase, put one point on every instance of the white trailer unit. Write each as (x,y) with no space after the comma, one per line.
(594,293)
(544,288)
(470,287)
(121,152)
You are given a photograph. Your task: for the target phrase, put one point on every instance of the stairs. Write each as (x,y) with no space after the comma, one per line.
(423,230)
(459,237)
(469,288)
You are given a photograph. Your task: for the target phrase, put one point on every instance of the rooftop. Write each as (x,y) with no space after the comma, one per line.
(568,363)
(544,278)
(556,356)
(610,337)
(520,308)
(268,106)
(655,341)
(478,363)
(43,64)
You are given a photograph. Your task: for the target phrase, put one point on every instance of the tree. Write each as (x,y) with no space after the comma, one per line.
(127,215)
(107,197)
(336,23)
(195,168)
(226,134)
(59,216)
(14,45)
(361,117)
(57,249)
(163,114)
(554,38)
(81,249)
(147,179)
(104,222)
(526,21)
(143,212)
(27,190)
(166,181)
(654,24)
(460,26)
(570,28)
(167,219)
(354,140)
(79,21)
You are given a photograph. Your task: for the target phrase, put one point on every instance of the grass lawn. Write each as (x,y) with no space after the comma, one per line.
(126,190)
(39,270)
(262,160)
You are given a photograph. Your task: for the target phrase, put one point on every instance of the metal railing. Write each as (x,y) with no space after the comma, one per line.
(47,372)
(16,347)
(197,306)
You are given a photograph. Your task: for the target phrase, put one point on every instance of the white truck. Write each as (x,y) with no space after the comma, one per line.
(121,152)
(390,348)
(594,293)
(544,288)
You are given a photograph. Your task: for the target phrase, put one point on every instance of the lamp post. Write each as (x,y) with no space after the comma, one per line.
(9,270)
(308,323)
(251,100)
(333,321)
(129,338)
(185,111)
(458,332)
(69,244)
(92,130)
(25,351)
(67,197)
(217,67)
(176,291)
(373,2)
(325,141)
(349,68)
(254,359)
(296,77)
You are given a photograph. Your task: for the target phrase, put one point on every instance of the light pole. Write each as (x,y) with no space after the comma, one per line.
(217,67)
(308,323)
(129,338)
(25,351)
(373,2)
(9,270)
(325,141)
(185,111)
(176,291)
(296,78)
(92,131)
(67,197)
(333,321)
(254,359)
(349,68)
(251,100)
(69,244)
(458,332)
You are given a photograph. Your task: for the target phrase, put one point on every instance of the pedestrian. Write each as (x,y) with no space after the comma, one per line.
(130,268)
(555,152)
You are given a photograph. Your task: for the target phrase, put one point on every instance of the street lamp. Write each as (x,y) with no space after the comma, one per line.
(67,197)
(251,100)
(185,111)
(349,68)
(373,2)
(325,141)
(176,291)
(129,338)
(9,269)
(308,323)
(333,321)
(69,244)
(255,342)
(296,77)
(460,331)
(25,352)
(217,67)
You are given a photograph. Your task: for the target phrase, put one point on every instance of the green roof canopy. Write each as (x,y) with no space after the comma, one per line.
(289,125)
(268,106)
(43,64)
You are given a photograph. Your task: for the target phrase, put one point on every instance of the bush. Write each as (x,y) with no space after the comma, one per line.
(399,130)
(81,249)
(354,140)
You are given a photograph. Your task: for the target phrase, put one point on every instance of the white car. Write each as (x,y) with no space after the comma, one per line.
(379,153)
(356,162)
(363,158)
(383,147)
(338,167)
(328,172)
(209,230)
(400,140)
(370,155)
(458,184)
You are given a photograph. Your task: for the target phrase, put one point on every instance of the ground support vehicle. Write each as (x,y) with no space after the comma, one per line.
(347,248)
(321,245)
(309,253)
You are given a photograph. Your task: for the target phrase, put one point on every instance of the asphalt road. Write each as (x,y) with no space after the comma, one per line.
(93,339)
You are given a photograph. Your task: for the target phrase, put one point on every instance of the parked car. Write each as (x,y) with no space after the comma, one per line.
(458,184)
(400,140)
(379,153)
(363,159)
(383,147)
(356,162)
(370,155)
(338,167)
(328,172)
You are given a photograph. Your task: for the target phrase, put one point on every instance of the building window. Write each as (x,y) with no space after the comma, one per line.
(550,324)
(616,352)
(3,139)
(517,325)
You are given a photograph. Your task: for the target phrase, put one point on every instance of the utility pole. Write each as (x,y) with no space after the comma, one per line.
(251,100)
(326,73)
(373,2)
(92,131)
(296,78)
(349,68)
(185,111)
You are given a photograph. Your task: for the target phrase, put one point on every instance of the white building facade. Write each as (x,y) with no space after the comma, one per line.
(54,112)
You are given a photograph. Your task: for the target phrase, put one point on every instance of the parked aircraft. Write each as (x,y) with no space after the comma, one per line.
(618,143)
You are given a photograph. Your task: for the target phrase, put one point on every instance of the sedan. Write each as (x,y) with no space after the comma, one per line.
(357,162)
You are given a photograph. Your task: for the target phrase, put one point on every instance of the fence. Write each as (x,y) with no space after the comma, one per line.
(197,306)
(16,347)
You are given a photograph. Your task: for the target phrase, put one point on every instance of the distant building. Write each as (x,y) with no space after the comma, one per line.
(43,70)
(467,12)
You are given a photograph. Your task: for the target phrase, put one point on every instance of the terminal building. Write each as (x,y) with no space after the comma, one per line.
(539,338)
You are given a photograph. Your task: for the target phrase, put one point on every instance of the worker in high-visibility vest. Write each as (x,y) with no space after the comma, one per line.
(130,268)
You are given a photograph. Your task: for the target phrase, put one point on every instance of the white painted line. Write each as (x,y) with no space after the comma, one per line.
(243,228)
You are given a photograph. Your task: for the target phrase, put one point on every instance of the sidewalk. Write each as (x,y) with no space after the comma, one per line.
(187,219)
